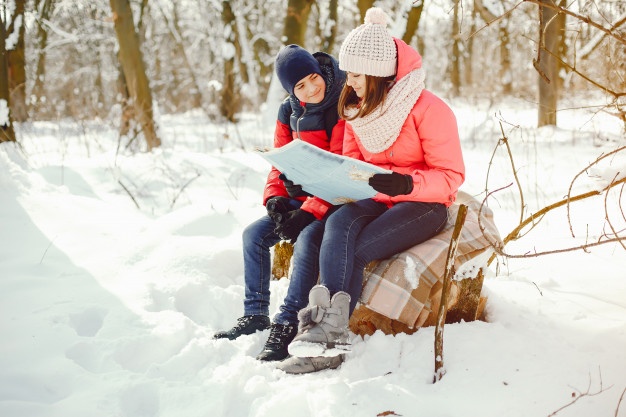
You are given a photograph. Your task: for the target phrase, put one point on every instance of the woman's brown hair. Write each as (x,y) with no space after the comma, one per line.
(376,89)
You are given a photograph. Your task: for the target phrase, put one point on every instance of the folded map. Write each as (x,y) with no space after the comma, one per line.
(334,178)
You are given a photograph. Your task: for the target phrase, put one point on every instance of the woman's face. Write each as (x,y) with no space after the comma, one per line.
(357,82)
(311,89)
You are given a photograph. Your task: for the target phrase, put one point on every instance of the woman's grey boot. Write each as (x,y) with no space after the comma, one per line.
(296,365)
(323,327)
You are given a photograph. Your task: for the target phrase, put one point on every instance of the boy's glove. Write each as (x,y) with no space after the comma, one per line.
(294,190)
(277,204)
(392,184)
(293,223)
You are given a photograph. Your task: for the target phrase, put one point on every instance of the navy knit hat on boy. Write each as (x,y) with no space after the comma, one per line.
(293,63)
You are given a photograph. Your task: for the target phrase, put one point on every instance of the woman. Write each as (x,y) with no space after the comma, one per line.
(314,83)
(392,122)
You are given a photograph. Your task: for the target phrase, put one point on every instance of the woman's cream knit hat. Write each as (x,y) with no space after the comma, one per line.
(370,49)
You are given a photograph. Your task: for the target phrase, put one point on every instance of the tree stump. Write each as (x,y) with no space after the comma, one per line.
(283,251)
(465,303)
(402,293)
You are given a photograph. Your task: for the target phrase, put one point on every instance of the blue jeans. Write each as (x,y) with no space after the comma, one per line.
(366,230)
(304,274)
(258,238)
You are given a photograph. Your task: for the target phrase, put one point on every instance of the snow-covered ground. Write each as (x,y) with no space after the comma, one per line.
(116,269)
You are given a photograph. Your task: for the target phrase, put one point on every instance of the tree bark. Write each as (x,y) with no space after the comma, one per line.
(134,70)
(296,21)
(17,66)
(413,21)
(504,40)
(551,46)
(174,28)
(455,56)
(329,37)
(7,134)
(44,8)
(447,279)
(230,98)
(363,5)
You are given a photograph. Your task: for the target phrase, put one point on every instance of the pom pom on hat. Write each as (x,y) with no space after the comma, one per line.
(293,63)
(370,49)
(375,15)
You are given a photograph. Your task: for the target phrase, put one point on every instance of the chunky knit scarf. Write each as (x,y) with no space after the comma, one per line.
(380,129)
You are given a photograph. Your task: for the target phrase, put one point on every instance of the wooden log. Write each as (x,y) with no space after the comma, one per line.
(465,303)
(283,251)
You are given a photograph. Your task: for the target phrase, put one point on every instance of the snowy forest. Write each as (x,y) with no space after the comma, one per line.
(128,171)
(127,61)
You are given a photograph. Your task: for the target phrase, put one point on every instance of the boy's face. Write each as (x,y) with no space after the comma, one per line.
(311,89)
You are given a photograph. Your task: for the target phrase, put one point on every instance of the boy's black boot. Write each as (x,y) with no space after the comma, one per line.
(275,348)
(245,325)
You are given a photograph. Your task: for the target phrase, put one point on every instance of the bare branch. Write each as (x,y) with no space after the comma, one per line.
(585,170)
(586,19)
(443,303)
(494,19)
(129,193)
(536,217)
(580,395)
(620,402)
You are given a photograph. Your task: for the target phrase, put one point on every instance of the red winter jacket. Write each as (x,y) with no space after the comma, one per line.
(308,122)
(428,147)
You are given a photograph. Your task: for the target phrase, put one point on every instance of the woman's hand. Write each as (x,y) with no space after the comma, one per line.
(392,184)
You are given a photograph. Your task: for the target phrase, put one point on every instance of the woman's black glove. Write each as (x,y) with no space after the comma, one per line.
(392,184)
(294,190)
(277,207)
(293,223)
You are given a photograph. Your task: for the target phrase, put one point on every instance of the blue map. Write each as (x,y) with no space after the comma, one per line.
(334,178)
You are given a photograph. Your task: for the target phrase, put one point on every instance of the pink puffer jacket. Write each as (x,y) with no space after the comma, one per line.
(428,147)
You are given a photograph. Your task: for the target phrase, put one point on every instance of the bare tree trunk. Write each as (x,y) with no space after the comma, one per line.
(551,44)
(504,39)
(363,5)
(505,59)
(230,100)
(331,32)
(134,70)
(296,21)
(468,53)
(44,7)
(174,29)
(455,56)
(7,134)
(17,67)
(413,21)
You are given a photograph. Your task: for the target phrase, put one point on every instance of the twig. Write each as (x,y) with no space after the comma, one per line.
(47,248)
(610,31)
(621,397)
(596,162)
(129,193)
(582,395)
(519,186)
(496,19)
(198,174)
(447,278)
(614,231)
(537,216)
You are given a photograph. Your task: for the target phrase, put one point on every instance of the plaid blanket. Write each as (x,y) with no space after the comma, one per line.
(403,286)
